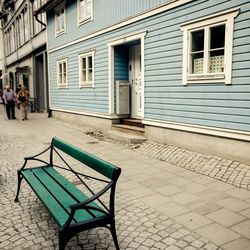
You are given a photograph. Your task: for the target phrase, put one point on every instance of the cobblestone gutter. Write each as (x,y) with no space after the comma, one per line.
(232,172)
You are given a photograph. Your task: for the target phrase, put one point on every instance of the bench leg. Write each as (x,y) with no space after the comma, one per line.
(64,238)
(113,232)
(20,177)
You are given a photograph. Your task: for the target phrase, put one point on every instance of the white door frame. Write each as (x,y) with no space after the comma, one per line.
(118,41)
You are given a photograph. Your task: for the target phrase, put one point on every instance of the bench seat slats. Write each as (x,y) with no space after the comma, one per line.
(56,184)
(78,194)
(59,214)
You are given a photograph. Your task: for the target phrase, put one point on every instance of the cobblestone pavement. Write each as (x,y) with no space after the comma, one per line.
(158,205)
(232,172)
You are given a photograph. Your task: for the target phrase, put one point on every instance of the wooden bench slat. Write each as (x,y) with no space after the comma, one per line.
(78,194)
(61,195)
(59,214)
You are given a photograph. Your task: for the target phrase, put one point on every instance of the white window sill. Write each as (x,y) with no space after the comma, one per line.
(87,85)
(58,33)
(83,21)
(62,87)
(214,78)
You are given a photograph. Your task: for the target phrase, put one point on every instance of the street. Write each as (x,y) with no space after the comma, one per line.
(159,205)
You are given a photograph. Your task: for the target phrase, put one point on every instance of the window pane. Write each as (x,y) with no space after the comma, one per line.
(64,77)
(84,63)
(90,62)
(64,68)
(88,8)
(82,9)
(197,63)
(90,75)
(83,75)
(216,61)
(217,37)
(62,19)
(60,78)
(58,22)
(197,40)
(60,68)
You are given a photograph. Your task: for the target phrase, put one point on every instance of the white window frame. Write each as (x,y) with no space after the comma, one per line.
(87,83)
(85,19)
(59,84)
(225,17)
(59,11)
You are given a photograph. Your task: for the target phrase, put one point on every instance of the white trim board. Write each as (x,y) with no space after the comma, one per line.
(226,133)
(170,5)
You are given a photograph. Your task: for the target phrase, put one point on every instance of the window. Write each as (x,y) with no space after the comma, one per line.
(86,69)
(85,9)
(21,30)
(26,25)
(60,21)
(207,49)
(62,73)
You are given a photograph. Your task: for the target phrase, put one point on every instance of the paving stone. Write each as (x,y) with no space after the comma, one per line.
(218,234)
(243,228)
(246,213)
(239,193)
(192,220)
(184,198)
(225,217)
(173,209)
(234,204)
(239,244)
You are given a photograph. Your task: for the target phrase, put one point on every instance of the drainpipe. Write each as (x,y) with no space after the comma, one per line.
(36,16)
(3,48)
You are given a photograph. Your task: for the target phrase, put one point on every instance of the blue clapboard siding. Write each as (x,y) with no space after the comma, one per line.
(106,13)
(216,105)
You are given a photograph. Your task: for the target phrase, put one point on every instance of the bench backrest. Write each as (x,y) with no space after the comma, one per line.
(91,161)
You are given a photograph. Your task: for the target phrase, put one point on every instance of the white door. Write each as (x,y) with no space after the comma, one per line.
(135,80)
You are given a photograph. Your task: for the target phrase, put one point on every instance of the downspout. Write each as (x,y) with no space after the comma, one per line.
(36,17)
(3,48)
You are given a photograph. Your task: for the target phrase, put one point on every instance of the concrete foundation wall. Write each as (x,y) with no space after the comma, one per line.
(84,120)
(229,148)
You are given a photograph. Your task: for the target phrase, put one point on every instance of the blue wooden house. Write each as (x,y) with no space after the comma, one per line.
(179,68)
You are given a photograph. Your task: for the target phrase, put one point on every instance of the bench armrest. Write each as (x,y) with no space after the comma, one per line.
(31,157)
(84,205)
(34,158)
(93,198)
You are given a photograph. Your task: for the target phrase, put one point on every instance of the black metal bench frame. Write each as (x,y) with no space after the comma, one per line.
(68,230)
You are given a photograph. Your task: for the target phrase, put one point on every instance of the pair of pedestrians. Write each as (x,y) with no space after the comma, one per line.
(22,98)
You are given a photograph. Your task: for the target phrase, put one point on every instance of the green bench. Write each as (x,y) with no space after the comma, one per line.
(72,209)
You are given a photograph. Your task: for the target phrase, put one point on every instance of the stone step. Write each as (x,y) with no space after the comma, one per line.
(128,129)
(133,122)
(125,137)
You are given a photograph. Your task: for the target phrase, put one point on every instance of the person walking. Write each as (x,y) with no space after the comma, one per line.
(17,91)
(9,100)
(23,100)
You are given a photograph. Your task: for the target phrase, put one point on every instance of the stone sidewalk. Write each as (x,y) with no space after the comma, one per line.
(159,205)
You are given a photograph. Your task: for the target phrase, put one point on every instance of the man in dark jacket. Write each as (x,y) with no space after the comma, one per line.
(9,100)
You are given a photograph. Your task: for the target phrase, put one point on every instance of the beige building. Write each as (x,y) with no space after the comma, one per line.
(24,49)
